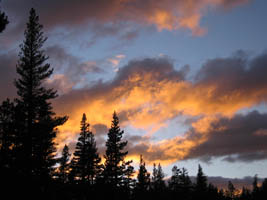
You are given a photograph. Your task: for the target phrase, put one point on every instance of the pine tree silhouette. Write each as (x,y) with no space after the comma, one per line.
(64,165)
(143,177)
(38,121)
(201,184)
(86,162)
(114,167)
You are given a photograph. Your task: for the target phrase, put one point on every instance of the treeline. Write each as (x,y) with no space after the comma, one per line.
(28,163)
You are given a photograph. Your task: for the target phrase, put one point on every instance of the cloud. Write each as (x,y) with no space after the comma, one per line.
(115,61)
(148,93)
(122,14)
(7,75)
(234,138)
(69,70)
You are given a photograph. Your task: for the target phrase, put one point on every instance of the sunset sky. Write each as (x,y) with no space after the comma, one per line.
(188,78)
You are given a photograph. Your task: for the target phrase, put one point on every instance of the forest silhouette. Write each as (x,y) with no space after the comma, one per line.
(31,169)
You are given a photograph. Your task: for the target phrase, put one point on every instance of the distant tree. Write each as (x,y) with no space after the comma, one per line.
(255,188)
(202,181)
(158,183)
(231,190)
(201,184)
(245,194)
(174,182)
(3,20)
(64,165)
(114,169)
(38,122)
(143,177)
(86,161)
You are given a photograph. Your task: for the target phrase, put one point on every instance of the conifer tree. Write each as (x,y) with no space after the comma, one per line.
(158,183)
(143,177)
(201,184)
(231,190)
(64,164)
(174,182)
(38,122)
(86,161)
(113,168)
(3,20)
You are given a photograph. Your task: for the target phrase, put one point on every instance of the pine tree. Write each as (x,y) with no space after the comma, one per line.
(64,164)
(255,188)
(86,161)
(158,183)
(3,21)
(201,184)
(174,182)
(113,168)
(231,190)
(143,177)
(38,129)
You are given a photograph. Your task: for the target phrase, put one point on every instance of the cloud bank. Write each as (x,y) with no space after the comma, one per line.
(148,93)
(113,16)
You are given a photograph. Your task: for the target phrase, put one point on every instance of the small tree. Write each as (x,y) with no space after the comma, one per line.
(158,183)
(64,164)
(231,190)
(143,177)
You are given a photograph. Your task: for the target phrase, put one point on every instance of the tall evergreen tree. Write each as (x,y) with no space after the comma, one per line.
(86,161)
(115,155)
(39,121)
(64,165)
(3,20)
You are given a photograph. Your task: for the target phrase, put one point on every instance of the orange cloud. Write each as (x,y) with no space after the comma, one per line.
(149,92)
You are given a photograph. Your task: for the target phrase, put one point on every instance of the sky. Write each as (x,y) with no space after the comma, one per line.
(188,78)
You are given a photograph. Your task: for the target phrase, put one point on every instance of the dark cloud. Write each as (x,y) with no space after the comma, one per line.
(235,75)
(235,139)
(113,17)
(7,75)
(100,129)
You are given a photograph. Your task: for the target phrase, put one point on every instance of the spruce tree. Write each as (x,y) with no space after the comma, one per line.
(113,168)
(86,161)
(64,165)
(3,20)
(38,122)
